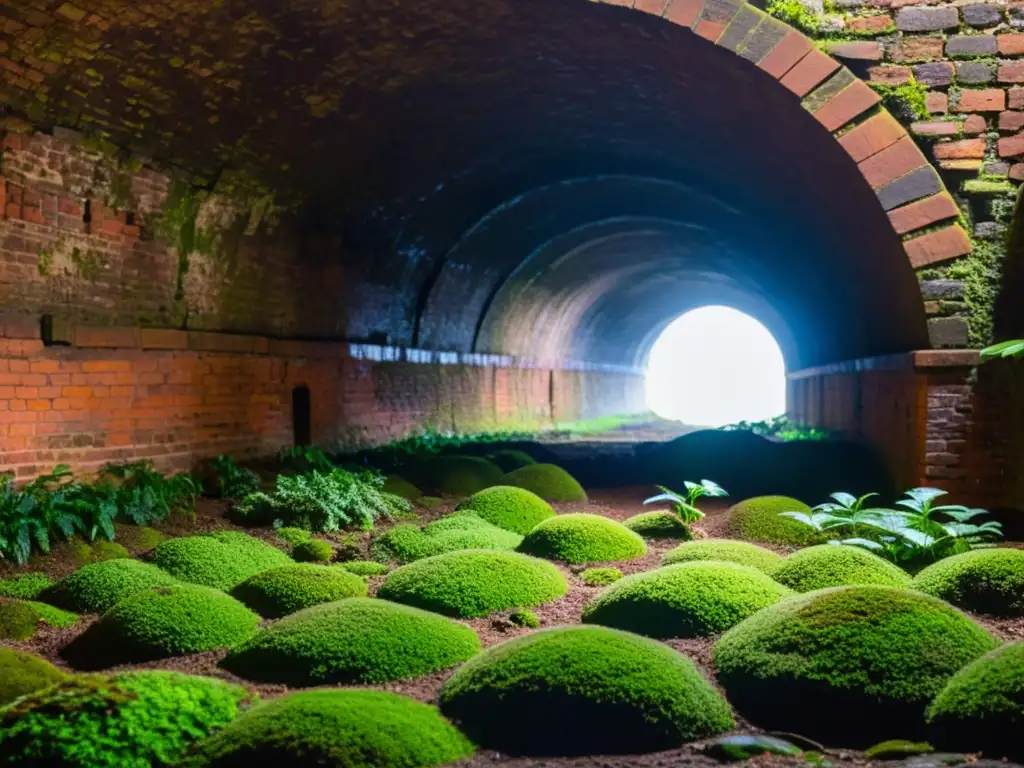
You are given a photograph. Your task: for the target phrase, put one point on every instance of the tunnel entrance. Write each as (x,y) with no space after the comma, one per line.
(714,366)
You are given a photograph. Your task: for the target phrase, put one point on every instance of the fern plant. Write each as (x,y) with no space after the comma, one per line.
(232,481)
(685,506)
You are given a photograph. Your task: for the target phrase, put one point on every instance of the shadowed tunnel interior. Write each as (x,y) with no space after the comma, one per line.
(550,178)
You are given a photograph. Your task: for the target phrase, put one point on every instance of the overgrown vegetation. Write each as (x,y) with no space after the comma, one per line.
(905,101)
(56,506)
(913,534)
(685,507)
(781,428)
(232,481)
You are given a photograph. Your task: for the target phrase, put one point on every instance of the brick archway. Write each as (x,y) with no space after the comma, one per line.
(921,210)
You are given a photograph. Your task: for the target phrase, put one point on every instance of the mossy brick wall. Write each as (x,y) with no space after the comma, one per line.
(121,394)
(83,236)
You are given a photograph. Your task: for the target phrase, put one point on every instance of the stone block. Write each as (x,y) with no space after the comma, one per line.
(927,19)
(935,73)
(946,332)
(975,72)
(982,15)
(942,289)
(912,186)
(911,49)
(971,45)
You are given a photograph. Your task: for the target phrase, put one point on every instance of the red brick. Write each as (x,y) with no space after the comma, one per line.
(784,56)
(39,405)
(109,338)
(1011,146)
(878,23)
(891,163)
(710,30)
(1010,44)
(684,12)
(106,366)
(935,128)
(873,135)
(966,149)
(936,102)
(1015,97)
(984,100)
(938,246)
(889,75)
(850,102)
(809,72)
(155,338)
(910,49)
(655,7)
(860,50)
(922,213)
(975,124)
(1011,121)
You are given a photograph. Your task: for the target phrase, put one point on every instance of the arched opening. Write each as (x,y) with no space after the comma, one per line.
(301,416)
(714,366)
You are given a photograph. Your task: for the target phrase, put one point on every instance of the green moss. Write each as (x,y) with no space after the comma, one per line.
(510,459)
(583,538)
(583,690)
(981,272)
(133,720)
(984,580)
(399,486)
(988,187)
(837,566)
(693,599)
(290,588)
(358,640)
(139,538)
(313,551)
(550,482)
(430,502)
(730,551)
(876,654)
(758,519)
(99,551)
(459,475)
(365,568)
(99,587)
(514,509)
(292,535)
(794,13)
(474,583)
(600,577)
(355,729)
(981,708)
(22,673)
(906,101)
(659,525)
(19,619)
(27,586)
(895,749)
(220,560)
(160,623)
(525,619)
(406,543)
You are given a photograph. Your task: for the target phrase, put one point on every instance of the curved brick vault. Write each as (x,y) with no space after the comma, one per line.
(550,178)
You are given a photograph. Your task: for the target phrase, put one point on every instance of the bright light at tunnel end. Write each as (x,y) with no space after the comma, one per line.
(715,366)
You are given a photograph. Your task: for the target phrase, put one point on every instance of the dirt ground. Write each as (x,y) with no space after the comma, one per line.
(617,504)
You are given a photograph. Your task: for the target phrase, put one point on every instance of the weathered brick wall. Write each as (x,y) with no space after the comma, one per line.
(174,396)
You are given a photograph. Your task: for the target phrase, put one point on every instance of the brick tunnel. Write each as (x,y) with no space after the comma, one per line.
(463,216)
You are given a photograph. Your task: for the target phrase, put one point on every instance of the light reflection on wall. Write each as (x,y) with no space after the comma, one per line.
(714,366)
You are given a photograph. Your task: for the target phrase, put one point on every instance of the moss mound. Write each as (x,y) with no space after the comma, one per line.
(291,588)
(459,475)
(984,580)
(600,577)
(525,619)
(134,720)
(139,538)
(292,535)
(693,599)
(659,525)
(511,459)
(160,623)
(583,538)
(399,486)
(548,481)
(982,706)
(98,551)
(99,587)
(358,640)
(837,566)
(221,560)
(313,551)
(514,509)
(22,673)
(876,654)
(583,690)
(355,729)
(365,568)
(27,586)
(406,543)
(474,583)
(19,619)
(758,519)
(730,551)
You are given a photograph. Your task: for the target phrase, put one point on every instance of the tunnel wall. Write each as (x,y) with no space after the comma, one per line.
(939,420)
(119,394)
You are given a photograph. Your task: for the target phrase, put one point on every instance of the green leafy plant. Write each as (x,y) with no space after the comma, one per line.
(303,459)
(1013,348)
(914,533)
(232,481)
(685,506)
(324,501)
(144,495)
(781,427)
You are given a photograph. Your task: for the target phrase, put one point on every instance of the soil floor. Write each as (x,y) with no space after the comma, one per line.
(617,504)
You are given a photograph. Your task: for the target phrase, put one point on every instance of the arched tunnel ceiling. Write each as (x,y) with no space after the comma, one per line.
(545,177)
